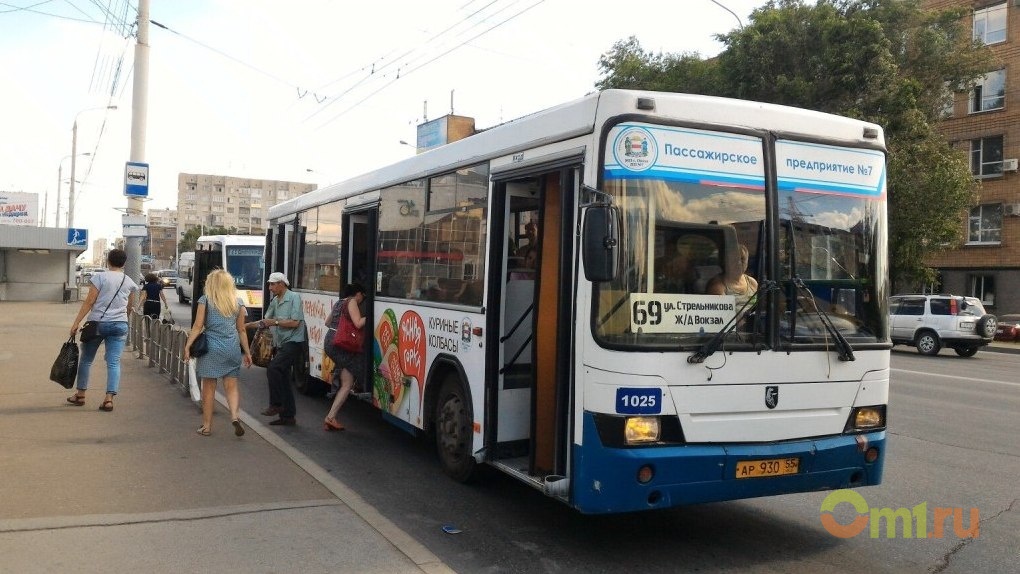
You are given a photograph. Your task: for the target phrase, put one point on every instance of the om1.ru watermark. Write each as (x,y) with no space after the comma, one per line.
(914,520)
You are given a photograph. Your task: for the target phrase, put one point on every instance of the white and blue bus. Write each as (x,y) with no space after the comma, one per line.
(243,256)
(632,301)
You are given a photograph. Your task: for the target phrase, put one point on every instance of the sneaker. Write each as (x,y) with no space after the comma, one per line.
(271,412)
(331,395)
(284,421)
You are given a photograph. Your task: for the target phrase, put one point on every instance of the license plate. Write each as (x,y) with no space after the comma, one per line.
(768,467)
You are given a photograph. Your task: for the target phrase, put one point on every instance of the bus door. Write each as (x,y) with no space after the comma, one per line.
(358,265)
(531,410)
(205,261)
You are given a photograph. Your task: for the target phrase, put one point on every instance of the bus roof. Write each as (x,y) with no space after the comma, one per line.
(580,117)
(232,239)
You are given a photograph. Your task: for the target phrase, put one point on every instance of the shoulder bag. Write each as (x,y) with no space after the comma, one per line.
(200,345)
(90,330)
(348,337)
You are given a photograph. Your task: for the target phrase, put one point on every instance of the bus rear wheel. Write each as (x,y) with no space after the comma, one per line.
(453,423)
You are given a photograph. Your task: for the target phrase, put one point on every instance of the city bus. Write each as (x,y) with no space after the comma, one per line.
(241,255)
(705,317)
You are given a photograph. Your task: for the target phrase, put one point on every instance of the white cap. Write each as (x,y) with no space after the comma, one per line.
(277,277)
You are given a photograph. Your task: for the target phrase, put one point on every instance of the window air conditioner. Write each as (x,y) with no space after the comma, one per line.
(1009,165)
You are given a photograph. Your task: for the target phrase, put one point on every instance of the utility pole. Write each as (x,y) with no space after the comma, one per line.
(139,114)
(74,152)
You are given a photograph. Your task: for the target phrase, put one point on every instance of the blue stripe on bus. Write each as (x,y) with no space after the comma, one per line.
(606,478)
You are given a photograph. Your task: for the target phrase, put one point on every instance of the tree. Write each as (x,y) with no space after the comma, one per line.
(885,61)
(628,65)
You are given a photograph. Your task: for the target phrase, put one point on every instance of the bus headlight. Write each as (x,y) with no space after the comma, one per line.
(641,430)
(866,418)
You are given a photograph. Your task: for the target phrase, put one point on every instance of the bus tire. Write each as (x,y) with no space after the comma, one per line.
(453,424)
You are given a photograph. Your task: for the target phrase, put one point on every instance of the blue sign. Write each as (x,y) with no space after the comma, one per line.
(639,401)
(136,179)
(77,236)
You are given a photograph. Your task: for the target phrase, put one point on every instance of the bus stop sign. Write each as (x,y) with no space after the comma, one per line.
(136,179)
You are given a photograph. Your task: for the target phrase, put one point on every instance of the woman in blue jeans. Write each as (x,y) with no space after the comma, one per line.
(111,295)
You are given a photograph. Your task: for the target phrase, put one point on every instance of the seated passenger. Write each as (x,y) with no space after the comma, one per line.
(742,287)
(673,271)
(529,267)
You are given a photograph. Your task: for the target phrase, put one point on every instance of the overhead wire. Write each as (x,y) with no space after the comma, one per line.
(374,73)
(30,9)
(412,70)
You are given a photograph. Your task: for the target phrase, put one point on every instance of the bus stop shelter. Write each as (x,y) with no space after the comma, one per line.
(38,263)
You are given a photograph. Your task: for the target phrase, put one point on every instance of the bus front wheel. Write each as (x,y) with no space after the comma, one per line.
(453,431)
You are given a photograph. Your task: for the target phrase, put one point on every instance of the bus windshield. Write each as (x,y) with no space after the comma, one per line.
(246,263)
(696,254)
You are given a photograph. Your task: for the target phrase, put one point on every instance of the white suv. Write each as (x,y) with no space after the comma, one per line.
(930,322)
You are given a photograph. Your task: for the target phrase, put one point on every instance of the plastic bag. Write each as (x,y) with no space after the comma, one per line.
(65,368)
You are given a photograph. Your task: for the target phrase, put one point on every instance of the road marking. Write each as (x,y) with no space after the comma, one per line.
(957,377)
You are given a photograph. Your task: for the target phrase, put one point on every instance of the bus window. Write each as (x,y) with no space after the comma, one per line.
(435,254)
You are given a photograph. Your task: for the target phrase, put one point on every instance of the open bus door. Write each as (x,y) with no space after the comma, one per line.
(359,266)
(529,420)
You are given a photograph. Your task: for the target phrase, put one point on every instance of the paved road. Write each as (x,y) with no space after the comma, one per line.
(953,429)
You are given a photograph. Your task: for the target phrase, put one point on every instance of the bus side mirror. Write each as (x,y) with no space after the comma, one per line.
(601,243)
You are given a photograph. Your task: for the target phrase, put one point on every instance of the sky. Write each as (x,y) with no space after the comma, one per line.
(314,91)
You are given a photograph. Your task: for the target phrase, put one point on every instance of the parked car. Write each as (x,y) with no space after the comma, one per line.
(930,322)
(1008,329)
(167,277)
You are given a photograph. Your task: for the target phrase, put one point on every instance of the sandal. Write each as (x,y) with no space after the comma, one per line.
(238,429)
(76,400)
(106,406)
(203,431)
(332,425)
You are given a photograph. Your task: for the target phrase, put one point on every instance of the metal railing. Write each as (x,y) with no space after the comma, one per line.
(163,345)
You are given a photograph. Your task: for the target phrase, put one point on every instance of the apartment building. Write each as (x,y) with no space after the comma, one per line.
(985,123)
(223,201)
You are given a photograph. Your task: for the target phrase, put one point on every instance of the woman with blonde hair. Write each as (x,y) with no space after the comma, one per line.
(221,314)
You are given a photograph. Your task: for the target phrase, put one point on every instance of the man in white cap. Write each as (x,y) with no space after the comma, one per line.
(287,319)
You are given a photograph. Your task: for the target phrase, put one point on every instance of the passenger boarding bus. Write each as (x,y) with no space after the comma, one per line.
(632,301)
(243,256)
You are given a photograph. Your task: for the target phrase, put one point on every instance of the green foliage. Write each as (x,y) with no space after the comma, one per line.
(628,66)
(886,61)
(190,239)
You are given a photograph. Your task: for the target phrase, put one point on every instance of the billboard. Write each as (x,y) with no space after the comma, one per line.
(18,208)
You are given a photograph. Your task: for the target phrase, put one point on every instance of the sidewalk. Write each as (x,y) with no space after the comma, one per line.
(137,490)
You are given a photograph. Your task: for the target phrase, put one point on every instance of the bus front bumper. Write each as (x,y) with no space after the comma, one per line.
(606,479)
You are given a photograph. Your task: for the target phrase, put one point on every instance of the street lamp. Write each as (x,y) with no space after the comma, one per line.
(74,149)
(60,182)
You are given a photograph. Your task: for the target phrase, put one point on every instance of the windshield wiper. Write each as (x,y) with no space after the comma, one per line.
(844,350)
(715,342)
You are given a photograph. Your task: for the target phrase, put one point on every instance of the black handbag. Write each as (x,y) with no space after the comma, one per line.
(200,345)
(89,331)
(65,368)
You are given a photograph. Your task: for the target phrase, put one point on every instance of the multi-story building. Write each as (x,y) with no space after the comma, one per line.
(223,201)
(160,247)
(985,123)
(99,251)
